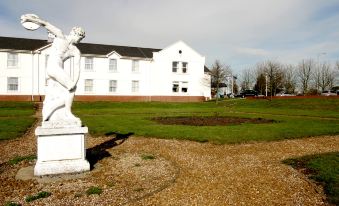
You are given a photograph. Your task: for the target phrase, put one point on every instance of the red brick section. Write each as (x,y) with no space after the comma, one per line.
(92,98)
(25,98)
(294,97)
(140,98)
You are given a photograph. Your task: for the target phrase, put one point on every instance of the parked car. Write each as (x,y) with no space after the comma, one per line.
(285,94)
(328,93)
(248,93)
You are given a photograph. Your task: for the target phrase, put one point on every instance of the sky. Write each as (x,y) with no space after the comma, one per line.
(239,33)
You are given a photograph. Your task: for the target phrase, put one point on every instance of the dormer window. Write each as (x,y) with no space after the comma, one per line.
(135,66)
(12,60)
(89,64)
(113,65)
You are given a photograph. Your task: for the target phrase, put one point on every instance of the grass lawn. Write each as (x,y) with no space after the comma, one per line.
(15,119)
(323,168)
(294,118)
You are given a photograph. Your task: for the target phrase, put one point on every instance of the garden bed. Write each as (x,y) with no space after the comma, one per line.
(209,121)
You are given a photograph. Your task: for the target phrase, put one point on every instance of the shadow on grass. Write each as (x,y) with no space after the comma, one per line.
(97,153)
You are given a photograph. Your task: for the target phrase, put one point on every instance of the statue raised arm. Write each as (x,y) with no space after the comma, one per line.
(60,86)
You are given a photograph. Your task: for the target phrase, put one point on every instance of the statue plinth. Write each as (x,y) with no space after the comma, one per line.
(61,150)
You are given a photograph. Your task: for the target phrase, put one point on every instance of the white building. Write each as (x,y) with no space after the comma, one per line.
(108,72)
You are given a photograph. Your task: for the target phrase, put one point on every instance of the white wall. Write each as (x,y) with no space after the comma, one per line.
(155,76)
(163,77)
(23,71)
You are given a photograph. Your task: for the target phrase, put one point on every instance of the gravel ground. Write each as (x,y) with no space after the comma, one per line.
(147,171)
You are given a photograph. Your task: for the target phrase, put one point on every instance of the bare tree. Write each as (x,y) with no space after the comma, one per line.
(270,74)
(324,77)
(275,77)
(219,73)
(337,64)
(304,74)
(289,79)
(247,79)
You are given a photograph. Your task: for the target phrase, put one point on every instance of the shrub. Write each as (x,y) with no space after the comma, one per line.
(94,190)
(12,204)
(40,195)
(147,157)
(18,159)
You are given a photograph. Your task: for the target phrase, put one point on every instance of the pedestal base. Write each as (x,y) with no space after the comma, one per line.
(61,150)
(61,167)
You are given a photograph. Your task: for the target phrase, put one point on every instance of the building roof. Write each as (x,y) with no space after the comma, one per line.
(101,49)
(85,48)
(206,69)
(21,44)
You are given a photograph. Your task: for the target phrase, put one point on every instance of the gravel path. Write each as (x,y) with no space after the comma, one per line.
(246,174)
(182,173)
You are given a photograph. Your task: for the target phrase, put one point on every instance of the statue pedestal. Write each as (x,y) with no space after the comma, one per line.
(61,150)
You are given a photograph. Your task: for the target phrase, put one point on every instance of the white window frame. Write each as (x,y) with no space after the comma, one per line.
(175,66)
(113,85)
(12,60)
(135,86)
(46,60)
(88,85)
(175,87)
(184,68)
(11,84)
(180,87)
(113,65)
(135,66)
(184,87)
(89,63)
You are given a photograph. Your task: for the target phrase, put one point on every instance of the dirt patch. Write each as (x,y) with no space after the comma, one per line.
(210,121)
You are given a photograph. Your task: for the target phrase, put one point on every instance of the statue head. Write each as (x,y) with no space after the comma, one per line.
(77,34)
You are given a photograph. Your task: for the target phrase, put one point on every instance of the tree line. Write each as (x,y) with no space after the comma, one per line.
(308,77)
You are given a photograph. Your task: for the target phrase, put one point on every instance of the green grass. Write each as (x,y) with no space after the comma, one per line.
(323,168)
(147,157)
(15,119)
(18,159)
(94,191)
(40,195)
(10,203)
(295,118)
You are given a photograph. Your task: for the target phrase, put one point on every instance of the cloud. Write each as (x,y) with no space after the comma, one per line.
(252,51)
(237,32)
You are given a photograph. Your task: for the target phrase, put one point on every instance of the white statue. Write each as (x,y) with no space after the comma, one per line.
(60,87)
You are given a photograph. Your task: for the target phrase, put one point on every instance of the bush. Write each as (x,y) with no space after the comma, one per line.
(147,157)
(18,159)
(12,204)
(40,195)
(94,191)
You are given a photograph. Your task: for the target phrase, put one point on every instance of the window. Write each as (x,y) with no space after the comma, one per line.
(184,87)
(46,64)
(12,84)
(46,60)
(180,87)
(175,87)
(113,65)
(112,85)
(89,63)
(135,66)
(175,66)
(88,85)
(12,60)
(184,67)
(135,86)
